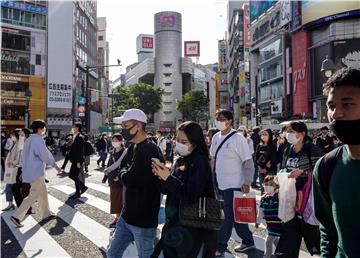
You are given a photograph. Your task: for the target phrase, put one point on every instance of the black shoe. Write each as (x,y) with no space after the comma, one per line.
(98,163)
(83,190)
(46,181)
(16,222)
(51,217)
(74,196)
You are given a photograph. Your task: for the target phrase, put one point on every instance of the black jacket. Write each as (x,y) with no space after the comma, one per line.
(142,193)
(76,153)
(264,154)
(101,145)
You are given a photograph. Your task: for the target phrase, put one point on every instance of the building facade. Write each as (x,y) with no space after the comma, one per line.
(71,93)
(23,62)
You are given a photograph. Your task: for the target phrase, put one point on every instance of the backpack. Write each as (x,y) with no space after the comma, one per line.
(326,168)
(89,150)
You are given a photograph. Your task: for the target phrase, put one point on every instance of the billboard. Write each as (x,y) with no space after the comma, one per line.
(246,24)
(192,48)
(60,63)
(323,11)
(257,8)
(144,43)
(147,42)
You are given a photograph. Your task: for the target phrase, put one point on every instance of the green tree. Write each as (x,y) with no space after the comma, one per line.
(142,96)
(194,106)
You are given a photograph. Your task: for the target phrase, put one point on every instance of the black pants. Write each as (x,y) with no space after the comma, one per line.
(66,160)
(20,190)
(77,174)
(292,233)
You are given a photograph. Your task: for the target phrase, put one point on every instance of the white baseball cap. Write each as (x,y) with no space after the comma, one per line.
(131,114)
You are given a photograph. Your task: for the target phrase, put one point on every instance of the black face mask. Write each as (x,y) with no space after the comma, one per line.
(126,133)
(347,131)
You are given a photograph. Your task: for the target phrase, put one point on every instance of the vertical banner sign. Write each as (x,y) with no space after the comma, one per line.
(59,95)
(246,25)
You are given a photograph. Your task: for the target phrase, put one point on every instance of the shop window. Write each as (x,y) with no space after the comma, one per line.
(38,59)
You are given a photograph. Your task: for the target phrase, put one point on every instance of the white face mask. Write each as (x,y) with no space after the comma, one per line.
(116,144)
(220,125)
(182,149)
(269,189)
(21,142)
(291,138)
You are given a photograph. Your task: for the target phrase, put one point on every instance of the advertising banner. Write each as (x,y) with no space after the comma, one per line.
(246,24)
(192,48)
(59,95)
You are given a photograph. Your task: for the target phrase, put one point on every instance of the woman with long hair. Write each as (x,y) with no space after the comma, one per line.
(189,179)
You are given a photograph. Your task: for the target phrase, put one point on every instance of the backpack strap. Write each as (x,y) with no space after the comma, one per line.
(222,143)
(326,168)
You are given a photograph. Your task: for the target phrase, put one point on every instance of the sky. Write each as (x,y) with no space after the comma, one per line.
(203,20)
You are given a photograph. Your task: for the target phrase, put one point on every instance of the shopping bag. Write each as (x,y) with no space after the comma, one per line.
(287,197)
(309,212)
(10,175)
(302,196)
(244,207)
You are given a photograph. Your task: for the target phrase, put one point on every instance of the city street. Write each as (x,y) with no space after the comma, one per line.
(81,229)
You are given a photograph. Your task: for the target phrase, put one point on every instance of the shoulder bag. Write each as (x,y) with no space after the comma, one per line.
(207,212)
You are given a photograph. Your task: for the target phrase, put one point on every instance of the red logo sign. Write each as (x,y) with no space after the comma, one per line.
(147,42)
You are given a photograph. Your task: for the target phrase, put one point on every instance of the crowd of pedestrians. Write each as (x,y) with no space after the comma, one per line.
(197,170)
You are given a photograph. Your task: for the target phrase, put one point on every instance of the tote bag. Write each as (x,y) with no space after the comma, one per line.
(10,175)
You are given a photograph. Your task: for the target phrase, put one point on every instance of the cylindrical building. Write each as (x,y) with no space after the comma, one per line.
(168,51)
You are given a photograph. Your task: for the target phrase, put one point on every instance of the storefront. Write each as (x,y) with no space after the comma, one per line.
(14,102)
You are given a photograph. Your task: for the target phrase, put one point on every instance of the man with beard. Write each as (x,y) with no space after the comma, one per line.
(337,175)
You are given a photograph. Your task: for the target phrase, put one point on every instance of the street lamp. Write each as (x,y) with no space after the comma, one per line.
(327,67)
(28,95)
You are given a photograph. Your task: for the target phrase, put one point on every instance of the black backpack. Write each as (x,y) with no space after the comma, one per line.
(89,150)
(326,168)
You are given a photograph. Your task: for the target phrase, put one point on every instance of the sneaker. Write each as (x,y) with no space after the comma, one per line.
(16,222)
(51,217)
(219,254)
(244,248)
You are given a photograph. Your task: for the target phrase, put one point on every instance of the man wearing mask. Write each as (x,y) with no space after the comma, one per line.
(336,175)
(34,157)
(234,169)
(76,157)
(139,218)
(102,148)
(324,141)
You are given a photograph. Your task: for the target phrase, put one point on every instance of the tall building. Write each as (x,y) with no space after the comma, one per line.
(23,62)
(235,56)
(103,81)
(72,45)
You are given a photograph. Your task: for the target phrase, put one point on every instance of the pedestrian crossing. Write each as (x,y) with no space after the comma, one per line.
(37,241)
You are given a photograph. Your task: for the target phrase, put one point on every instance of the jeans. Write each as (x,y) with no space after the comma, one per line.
(125,234)
(269,242)
(102,159)
(241,229)
(256,175)
(8,193)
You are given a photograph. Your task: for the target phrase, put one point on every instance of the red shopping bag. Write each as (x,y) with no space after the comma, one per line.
(244,207)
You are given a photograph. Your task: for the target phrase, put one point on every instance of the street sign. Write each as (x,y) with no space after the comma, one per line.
(82,100)
(81,109)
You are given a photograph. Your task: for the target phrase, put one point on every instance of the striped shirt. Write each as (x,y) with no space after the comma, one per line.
(269,210)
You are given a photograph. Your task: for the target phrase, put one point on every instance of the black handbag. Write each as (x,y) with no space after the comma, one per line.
(207,212)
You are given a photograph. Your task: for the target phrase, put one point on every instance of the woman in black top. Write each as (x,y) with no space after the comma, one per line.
(265,157)
(115,183)
(189,180)
(299,159)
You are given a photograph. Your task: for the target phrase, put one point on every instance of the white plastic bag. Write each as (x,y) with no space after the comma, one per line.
(287,197)
(10,175)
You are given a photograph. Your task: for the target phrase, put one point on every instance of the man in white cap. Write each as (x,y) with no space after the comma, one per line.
(139,218)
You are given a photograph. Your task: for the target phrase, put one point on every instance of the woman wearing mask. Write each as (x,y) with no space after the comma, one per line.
(116,186)
(265,157)
(189,179)
(12,161)
(299,160)
(21,190)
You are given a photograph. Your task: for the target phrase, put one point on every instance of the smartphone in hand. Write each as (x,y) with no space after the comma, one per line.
(156,161)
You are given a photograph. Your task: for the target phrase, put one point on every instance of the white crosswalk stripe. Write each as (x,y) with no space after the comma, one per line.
(34,240)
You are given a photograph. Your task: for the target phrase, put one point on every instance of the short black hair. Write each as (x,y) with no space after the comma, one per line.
(37,124)
(16,133)
(117,136)
(26,131)
(324,128)
(344,77)
(78,126)
(226,113)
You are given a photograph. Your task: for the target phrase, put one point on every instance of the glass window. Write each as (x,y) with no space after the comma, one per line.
(16,15)
(100,38)
(167,83)
(38,59)
(270,50)
(5,13)
(28,17)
